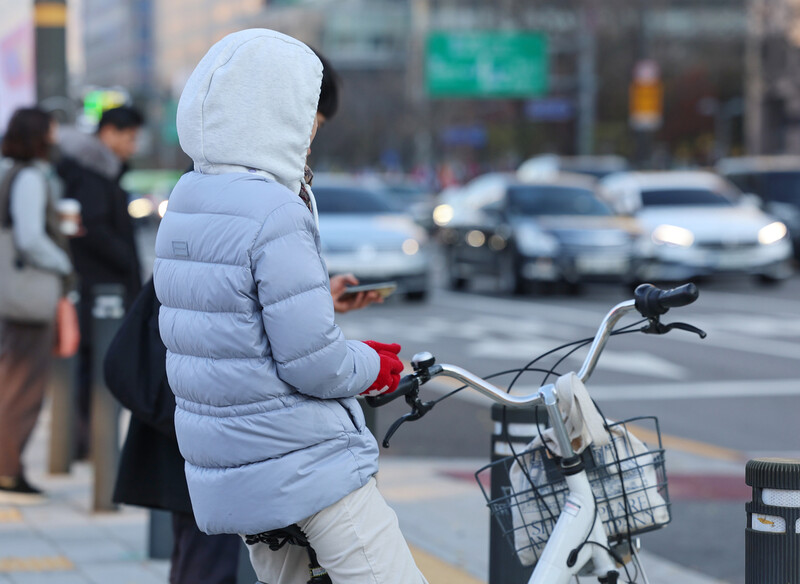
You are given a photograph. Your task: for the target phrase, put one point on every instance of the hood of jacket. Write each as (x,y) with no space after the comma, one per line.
(88,151)
(250,105)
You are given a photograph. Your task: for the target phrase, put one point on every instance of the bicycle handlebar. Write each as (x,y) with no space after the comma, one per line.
(649,301)
(652,302)
(407,384)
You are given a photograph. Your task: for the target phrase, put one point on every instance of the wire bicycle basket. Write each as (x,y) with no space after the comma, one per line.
(628,480)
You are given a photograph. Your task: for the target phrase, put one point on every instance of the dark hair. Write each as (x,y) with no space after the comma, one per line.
(122,118)
(27,135)
(329,90)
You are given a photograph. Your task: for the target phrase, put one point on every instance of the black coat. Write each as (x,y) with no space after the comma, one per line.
(151,466)
(106,254)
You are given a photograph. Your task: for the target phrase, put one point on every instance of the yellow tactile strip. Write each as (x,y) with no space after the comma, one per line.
(10,515)
(40,564)
(435,570)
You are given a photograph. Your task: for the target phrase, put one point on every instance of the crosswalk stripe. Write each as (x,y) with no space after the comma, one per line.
(436,570)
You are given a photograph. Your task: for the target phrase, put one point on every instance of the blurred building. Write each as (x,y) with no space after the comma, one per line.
(183,30)
(17,64)
(773,77)
(378,47)
(118,44)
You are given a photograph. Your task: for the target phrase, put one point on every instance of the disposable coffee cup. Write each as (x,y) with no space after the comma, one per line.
(69,216)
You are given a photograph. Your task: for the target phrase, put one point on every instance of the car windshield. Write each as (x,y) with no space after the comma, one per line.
(683,198)
(783,187)
(349,200)
(554,200)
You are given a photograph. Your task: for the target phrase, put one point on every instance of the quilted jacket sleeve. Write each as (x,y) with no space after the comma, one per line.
(310,351)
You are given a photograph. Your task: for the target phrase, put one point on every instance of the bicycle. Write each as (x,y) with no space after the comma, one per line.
(571,542)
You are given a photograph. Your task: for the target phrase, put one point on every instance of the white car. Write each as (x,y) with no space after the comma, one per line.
(700,224)
(362,233)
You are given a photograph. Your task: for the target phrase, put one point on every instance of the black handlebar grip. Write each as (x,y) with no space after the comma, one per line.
(652,301)
(407,384)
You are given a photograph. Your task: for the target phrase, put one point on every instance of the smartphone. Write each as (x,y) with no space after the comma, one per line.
(383,288)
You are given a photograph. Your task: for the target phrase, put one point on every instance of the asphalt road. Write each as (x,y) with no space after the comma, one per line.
(733,396)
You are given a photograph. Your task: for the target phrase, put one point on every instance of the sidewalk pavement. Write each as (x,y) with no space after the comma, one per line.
(442,514)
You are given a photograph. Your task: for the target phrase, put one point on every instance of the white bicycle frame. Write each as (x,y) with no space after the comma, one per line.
(578,521)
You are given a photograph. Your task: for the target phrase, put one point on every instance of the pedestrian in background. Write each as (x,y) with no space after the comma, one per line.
(91,167)
(29,193)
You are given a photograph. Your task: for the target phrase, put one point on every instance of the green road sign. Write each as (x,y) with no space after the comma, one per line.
(486,64)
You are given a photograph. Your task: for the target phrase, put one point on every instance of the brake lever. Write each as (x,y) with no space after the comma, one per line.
(656,327)
(418,409)
(424,369)
(689,328)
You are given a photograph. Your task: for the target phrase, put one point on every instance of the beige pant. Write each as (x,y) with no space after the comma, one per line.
(25,357)
(357,540)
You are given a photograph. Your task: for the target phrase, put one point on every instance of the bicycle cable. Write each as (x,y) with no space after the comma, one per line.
(573,555)
(620,472)
(628,536)
(576,345)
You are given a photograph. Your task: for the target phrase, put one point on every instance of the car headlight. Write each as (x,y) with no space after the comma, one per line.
(772,233)
(442,215)
(410,246)
(140,208)
(475,238)
(534,242)
(672,235)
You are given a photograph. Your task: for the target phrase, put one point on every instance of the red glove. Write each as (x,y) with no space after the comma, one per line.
(391,367)
(393,348)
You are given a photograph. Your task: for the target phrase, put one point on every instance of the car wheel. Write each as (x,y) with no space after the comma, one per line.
(417,296)
(509,279)
(768,280)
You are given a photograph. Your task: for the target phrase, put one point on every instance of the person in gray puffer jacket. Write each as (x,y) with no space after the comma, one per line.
(264,380)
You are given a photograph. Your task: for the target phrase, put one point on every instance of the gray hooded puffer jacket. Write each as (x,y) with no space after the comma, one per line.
(263,378)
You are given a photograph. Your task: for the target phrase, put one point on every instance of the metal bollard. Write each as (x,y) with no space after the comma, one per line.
(159,535)
(504,567)
(108,309)
(772,536)
(62,416)
(160,541)
(246,573)
(370,417)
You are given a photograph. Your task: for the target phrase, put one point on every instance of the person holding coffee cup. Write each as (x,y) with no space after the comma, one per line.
(32,190)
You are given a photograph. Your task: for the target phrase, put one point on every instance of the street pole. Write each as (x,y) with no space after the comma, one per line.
(420,102)
(108,309)
(644,138)
(50,20)
(754,77)
(587,80)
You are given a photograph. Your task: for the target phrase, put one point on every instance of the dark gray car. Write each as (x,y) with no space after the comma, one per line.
(550,232)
